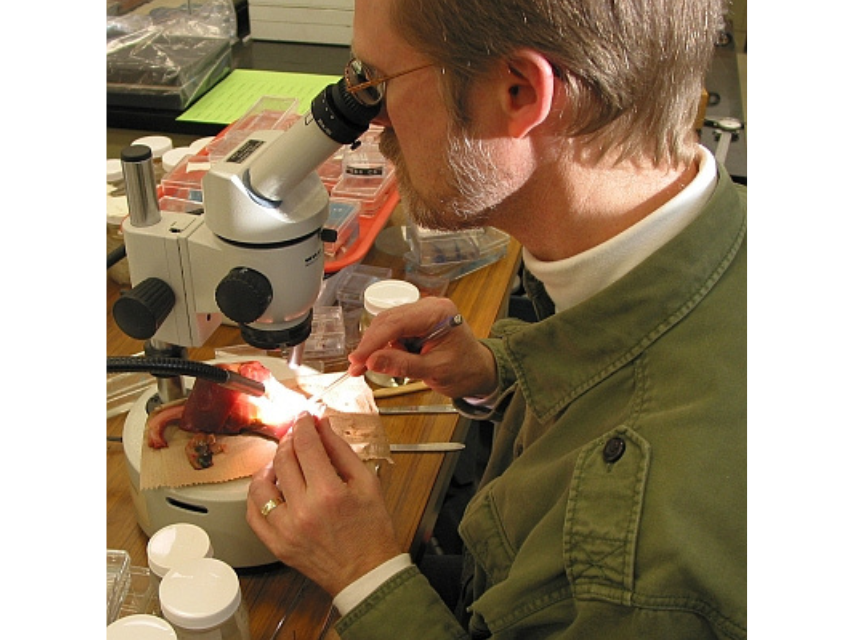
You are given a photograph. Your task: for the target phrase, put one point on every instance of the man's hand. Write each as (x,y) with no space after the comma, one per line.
(333,525)
(456,364)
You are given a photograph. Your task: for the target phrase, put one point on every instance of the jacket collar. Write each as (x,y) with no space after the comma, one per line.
(602,334)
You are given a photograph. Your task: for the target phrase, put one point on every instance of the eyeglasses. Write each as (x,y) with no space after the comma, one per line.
(362,82)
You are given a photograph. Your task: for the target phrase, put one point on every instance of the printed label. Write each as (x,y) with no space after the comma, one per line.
(244,151)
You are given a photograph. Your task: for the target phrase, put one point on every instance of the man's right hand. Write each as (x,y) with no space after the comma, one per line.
(455,364)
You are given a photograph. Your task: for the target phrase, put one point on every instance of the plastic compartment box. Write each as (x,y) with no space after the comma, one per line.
(118,575)
(366,175)
(356,280)
(328,334)
(343,219)
(141,594)
(491,247)
(372,191)
(443,247)
(180,189)
(268,113)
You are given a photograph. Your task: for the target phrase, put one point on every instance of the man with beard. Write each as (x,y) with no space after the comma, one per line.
(614,501)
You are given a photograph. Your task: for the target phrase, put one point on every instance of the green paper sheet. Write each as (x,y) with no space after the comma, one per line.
(235,95)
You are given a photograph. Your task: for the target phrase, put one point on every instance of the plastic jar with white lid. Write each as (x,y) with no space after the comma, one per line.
(141,626)
(175,544)
(116,213)
(172,158)
(202,600)
(378,297)
(159,145)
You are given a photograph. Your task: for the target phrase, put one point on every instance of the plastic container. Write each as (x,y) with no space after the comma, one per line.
(116,213)
(480,250)
(328,335)
(141,627)
(268,113)
(181,188)
(355,280)
(371,190)
(141,594)
(380,297)
(118,570)
(343,219)
(202,600)
(175,544)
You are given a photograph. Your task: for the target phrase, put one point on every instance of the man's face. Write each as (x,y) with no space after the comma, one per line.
(466,183)
(447,178)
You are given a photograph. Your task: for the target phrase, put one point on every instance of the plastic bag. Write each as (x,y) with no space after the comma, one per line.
(167,55)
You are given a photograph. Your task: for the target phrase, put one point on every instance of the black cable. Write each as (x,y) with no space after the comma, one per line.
(166,367)
(161,366)
(115,255)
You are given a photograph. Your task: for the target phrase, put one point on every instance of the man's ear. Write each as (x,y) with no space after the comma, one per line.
(527,91)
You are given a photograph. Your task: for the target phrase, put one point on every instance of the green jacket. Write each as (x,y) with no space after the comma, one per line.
(614,502)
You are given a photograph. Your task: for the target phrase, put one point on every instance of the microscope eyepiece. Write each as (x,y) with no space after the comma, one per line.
(340,115)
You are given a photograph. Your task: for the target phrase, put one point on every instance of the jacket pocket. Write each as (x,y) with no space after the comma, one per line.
(603,515)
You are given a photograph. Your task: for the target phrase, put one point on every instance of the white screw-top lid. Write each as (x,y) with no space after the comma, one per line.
(175,544)
(141,626)
(114,171)
(386,294)
(173,156)
(201,143)
(158,144)
(200,594)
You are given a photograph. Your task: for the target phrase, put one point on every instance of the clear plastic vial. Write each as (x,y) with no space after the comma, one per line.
(202,600)
(141,626)
(379,297)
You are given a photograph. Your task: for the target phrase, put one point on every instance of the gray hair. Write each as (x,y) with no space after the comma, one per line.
(633,70)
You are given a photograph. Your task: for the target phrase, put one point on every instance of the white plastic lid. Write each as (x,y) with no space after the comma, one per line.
(200,594)
(141,626)
(386,294)
(158,144)
(201,143)
(175,544)
(114,171)
(173,156)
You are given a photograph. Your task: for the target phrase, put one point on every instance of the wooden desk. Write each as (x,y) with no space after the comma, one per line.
(414,486)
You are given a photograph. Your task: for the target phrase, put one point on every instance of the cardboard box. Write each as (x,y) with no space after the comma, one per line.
(323,22)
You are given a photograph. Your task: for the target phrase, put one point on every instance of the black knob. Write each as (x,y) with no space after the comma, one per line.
(244,294)
(140,311)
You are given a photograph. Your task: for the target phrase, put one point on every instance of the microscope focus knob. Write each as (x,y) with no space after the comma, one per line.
(140,311)
(244,294)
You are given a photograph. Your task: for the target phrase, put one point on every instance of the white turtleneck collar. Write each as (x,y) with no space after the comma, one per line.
(573,280)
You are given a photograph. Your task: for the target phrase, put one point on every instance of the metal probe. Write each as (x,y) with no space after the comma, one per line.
(415,345)
(412,345)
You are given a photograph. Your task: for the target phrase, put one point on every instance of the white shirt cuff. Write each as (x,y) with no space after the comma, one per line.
(351,596)
(484,403)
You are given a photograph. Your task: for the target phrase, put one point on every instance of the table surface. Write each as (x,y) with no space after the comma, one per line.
(413,486)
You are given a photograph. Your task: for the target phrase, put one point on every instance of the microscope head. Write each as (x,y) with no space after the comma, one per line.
(256,254)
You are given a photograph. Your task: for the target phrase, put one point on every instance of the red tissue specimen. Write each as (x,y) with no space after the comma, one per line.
(211,409)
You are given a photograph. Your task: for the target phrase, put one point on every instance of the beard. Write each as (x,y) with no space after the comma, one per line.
(471,185)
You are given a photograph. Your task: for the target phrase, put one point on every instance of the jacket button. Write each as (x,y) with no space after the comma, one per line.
(614,449)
